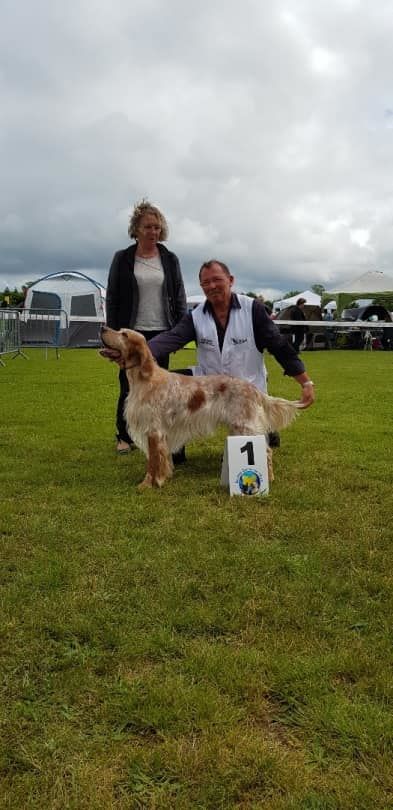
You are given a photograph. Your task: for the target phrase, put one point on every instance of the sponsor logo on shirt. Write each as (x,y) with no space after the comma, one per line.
(207,341)
(238,341)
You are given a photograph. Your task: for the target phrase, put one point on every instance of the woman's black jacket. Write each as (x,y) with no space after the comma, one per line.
(122,294)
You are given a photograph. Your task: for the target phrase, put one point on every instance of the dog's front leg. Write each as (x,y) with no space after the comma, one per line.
(159,464)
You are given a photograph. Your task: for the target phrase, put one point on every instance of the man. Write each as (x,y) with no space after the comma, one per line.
(231,331)
(327,315)
(298,332)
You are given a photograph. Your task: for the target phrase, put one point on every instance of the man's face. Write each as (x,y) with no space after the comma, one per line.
(216,284)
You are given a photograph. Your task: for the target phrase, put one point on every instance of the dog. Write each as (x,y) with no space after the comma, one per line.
(165,410)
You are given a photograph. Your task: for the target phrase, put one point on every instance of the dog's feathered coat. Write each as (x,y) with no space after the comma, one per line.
(165,410)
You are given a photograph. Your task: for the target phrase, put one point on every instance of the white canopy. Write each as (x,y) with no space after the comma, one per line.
(312,299)
(330,306)
(375,281)
(194,300)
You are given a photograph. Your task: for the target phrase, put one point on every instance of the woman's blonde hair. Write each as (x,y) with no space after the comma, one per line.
(140,209)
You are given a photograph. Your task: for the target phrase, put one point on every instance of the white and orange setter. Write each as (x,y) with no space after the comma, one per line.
(165,410)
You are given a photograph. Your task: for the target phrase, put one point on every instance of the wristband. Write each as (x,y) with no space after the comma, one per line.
(308,382)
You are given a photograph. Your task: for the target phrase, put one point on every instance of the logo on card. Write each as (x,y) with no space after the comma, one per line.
(249,482)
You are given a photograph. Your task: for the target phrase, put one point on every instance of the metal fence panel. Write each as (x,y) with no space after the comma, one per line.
(342,334)
(44,328)
(10,336)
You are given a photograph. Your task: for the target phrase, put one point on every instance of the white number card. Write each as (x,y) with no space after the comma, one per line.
(244,466)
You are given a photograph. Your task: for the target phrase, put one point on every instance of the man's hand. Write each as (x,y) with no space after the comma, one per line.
(308,392)
(308,395)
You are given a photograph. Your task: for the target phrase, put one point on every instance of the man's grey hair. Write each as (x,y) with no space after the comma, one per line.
(209,263)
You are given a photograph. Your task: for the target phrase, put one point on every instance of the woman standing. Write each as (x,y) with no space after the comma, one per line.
(145,292)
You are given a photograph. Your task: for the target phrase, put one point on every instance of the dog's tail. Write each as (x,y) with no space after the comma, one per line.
(280,412)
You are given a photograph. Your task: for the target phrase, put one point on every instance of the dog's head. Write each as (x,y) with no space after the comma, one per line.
(127,348)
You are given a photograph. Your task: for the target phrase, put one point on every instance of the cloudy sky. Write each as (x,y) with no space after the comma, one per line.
(262,129)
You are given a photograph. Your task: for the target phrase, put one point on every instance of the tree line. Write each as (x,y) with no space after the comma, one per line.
(14,298)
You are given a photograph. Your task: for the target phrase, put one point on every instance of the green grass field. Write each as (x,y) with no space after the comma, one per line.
(182,649)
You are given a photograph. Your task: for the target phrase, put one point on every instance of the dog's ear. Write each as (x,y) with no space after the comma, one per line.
(147,362)
(139,355)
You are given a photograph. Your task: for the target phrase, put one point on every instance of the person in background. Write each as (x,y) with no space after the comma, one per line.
(327,315)
(298,332)
(145,292)
(269,309)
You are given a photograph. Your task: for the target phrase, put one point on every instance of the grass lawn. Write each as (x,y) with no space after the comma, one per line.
(182,649)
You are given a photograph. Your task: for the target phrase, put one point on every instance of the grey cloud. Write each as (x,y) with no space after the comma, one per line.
(263,131)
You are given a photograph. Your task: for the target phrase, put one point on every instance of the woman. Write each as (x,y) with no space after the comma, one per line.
(145,292)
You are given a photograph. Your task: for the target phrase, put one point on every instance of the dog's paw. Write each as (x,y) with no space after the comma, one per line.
(145,484)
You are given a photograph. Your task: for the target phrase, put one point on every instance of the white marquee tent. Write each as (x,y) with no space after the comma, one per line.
(312,299)
(331,306)
(374,281)
(194,300)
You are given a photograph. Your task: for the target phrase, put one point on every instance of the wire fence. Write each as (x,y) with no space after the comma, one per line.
(47,329)
(50,329)
(44,328)
(10,334)
(342,334)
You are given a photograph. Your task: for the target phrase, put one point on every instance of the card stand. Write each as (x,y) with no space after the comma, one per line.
(244,466)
